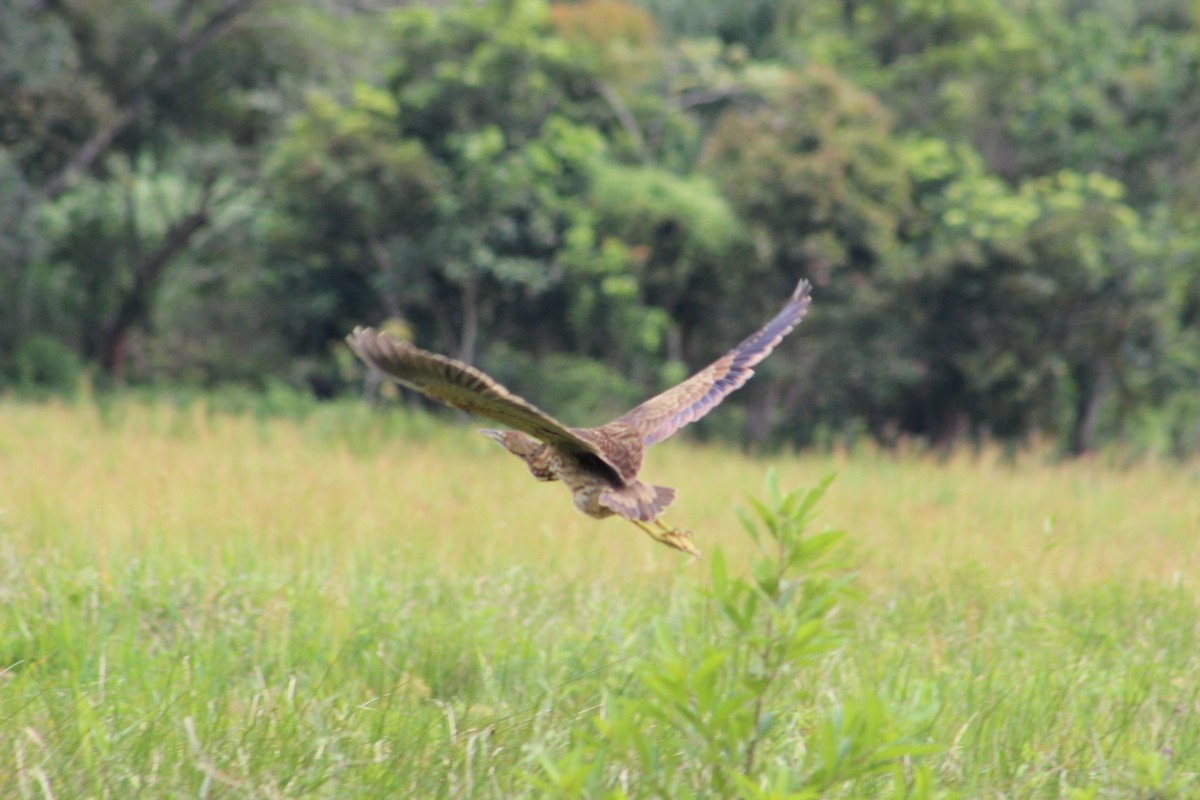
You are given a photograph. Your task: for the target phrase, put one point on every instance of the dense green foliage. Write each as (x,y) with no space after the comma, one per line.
(995,200)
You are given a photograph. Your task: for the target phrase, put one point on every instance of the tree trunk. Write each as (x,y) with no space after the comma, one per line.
(470,325)
(1091,387)
(137,301)
(760,413)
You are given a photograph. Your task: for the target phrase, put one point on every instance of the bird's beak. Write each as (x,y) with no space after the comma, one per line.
(495,436)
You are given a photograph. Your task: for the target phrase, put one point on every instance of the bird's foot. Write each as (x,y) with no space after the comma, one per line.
(680,540)
(671,537)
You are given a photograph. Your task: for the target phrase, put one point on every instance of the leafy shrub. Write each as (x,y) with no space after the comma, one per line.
(719,706)
(44,365)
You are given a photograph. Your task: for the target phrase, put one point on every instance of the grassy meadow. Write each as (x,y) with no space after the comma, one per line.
(361,603)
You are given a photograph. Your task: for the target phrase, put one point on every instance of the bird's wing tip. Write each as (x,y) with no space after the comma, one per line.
(803,290)
(369,344)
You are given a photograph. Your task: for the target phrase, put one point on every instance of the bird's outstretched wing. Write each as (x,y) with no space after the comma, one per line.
(661,416)
(462,386)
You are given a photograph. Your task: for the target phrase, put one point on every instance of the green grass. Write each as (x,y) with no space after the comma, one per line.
(367,604)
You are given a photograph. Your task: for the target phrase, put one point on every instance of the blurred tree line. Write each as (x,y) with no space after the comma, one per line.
(996,200)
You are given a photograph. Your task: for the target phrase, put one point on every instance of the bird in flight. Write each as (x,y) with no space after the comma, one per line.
(599,465)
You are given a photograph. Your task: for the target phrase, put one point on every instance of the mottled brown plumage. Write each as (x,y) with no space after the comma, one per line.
(599,465)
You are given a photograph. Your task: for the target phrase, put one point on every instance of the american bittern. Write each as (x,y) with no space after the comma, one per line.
(599,465)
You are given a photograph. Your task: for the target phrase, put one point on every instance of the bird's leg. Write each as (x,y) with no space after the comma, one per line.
(664,527)
(671,537)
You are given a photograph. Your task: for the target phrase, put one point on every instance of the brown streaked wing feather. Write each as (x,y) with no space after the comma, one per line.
(621,445)
(461,386)
(662,415)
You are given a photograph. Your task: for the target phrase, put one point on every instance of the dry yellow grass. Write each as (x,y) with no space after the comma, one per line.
(210,484)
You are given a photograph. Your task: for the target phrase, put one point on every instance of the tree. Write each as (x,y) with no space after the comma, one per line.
(126,98)
(1119,94)
(448,189)
(816,175)
(1034,308)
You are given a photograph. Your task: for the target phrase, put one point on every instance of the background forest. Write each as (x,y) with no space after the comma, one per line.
(997,202)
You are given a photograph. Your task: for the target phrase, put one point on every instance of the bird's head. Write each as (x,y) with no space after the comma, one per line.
(528,449)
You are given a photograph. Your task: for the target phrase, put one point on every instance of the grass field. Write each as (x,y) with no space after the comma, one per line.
(369,604)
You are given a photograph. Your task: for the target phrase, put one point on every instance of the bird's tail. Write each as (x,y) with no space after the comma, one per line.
(638,501)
